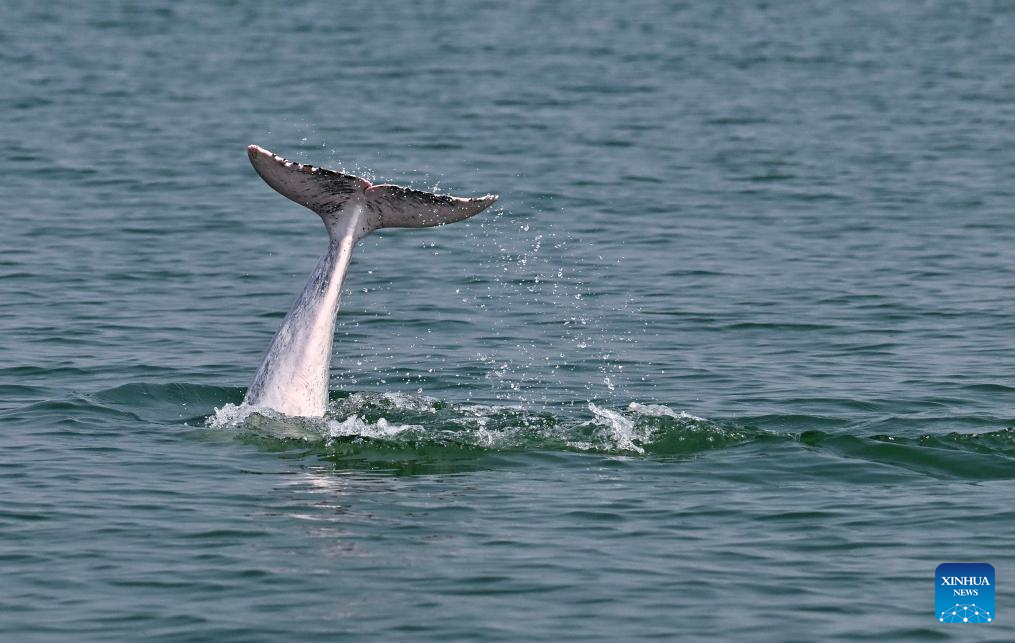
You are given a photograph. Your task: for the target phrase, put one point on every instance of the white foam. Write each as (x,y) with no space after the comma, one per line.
(659,410)
(355,426)
(399,417)
(229,416)
(622,430)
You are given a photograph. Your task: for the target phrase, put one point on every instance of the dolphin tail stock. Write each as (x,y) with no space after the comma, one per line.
(293,376)
(330,194)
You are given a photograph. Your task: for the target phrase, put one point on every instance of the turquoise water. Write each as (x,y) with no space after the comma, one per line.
(733,356)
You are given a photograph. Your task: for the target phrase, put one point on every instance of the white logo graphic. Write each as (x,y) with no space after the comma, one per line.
(964,614)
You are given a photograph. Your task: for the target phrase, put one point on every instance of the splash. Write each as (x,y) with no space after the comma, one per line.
(402,421)
(416,433)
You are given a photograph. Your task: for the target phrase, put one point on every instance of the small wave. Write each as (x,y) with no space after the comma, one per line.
(965,456)
(405,421)
(418,433)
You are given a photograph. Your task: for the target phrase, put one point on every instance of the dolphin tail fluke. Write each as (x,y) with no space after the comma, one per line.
(330,193)
(398,207)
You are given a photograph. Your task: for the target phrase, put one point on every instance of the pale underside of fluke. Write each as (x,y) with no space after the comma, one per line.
(293,376)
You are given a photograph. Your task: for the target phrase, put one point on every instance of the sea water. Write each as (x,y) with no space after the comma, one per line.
(733,357)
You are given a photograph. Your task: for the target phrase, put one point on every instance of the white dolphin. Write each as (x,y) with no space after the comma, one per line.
(293,376)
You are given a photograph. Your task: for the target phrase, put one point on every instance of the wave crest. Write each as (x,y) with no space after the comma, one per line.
(412,421)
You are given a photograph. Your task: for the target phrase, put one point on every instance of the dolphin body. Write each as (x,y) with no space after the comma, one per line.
(293,376)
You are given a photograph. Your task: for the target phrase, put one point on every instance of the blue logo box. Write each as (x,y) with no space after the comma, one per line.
(964,593)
